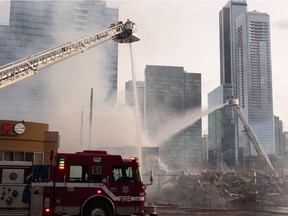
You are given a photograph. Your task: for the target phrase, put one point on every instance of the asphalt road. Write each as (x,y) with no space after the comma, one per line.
(168,211)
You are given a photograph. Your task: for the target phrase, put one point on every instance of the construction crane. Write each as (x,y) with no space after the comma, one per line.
(24,68)
(251,135)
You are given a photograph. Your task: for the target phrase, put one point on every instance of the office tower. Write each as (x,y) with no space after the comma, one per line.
(254,79)
(223,127)
(286,142)
(245,61)
(38,25)
(227,30)
(222,135)
(129,96)
(279,138)
(205,148)
(169,94)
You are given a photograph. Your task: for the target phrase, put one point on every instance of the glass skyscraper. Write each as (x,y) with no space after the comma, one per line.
(129,96)
(222,135)
(280,149)
(227,30)
(38,25)
(170,93)
(254,79)
(245,62)
(222,124)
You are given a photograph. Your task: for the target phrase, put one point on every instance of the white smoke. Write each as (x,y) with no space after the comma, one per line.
(180,122)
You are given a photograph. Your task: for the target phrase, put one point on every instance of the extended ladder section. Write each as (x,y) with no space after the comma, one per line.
(21,69)
(251,134)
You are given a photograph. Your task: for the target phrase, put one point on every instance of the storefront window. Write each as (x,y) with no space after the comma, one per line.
(8,156)
(19,156)
(38,159)
(28,156)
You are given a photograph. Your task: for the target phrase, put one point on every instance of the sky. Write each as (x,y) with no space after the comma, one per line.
(186,33)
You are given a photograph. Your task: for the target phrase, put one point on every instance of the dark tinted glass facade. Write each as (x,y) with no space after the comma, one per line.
(38,25)
(170,94)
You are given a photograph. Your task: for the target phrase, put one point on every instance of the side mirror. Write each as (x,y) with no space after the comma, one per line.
(151,178)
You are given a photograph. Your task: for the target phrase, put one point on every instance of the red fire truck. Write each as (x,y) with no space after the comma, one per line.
(86,183)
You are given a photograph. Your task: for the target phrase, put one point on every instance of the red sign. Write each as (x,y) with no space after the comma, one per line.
(6,128)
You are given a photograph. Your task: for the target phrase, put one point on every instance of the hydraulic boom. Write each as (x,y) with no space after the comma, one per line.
(251,135)
(21,69)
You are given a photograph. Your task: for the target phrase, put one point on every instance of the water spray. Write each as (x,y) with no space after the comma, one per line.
(189,118)
(136,107)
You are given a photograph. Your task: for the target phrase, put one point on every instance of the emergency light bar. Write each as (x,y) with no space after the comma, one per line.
(133,158)
(61,163)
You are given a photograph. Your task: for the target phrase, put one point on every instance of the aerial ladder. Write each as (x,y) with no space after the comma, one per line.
(251,135)
(24,68)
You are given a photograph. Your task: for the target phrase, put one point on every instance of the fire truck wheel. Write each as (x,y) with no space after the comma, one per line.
(97,208)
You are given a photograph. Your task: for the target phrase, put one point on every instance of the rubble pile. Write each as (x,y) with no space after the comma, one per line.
(221,190)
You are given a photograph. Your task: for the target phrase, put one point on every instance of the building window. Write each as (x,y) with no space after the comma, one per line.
(28,156)
(8,156)
(38,158)
(19,156)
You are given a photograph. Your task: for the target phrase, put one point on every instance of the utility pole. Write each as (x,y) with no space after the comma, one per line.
(90,119)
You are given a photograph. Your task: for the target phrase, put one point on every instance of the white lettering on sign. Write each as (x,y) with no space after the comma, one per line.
(19,128)
(125,198)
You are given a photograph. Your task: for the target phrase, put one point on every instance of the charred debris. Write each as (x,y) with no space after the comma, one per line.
(214,189)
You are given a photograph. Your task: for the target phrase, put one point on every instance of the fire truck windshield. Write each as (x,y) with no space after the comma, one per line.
(122,174)
(125,174)
(139,175)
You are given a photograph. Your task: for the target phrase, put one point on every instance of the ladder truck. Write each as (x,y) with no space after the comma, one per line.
(24,68)
(252,136)
(86,183)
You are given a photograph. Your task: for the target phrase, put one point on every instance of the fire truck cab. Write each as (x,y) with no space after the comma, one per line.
(85,183)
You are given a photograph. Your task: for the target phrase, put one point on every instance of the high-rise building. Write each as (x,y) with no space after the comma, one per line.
(169,94)
(279,138)
(254,79)
(129,96)
(286,142)
(227,29)
(205,148)
(38,25)
(222,124)
(222,136)
(245,62)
